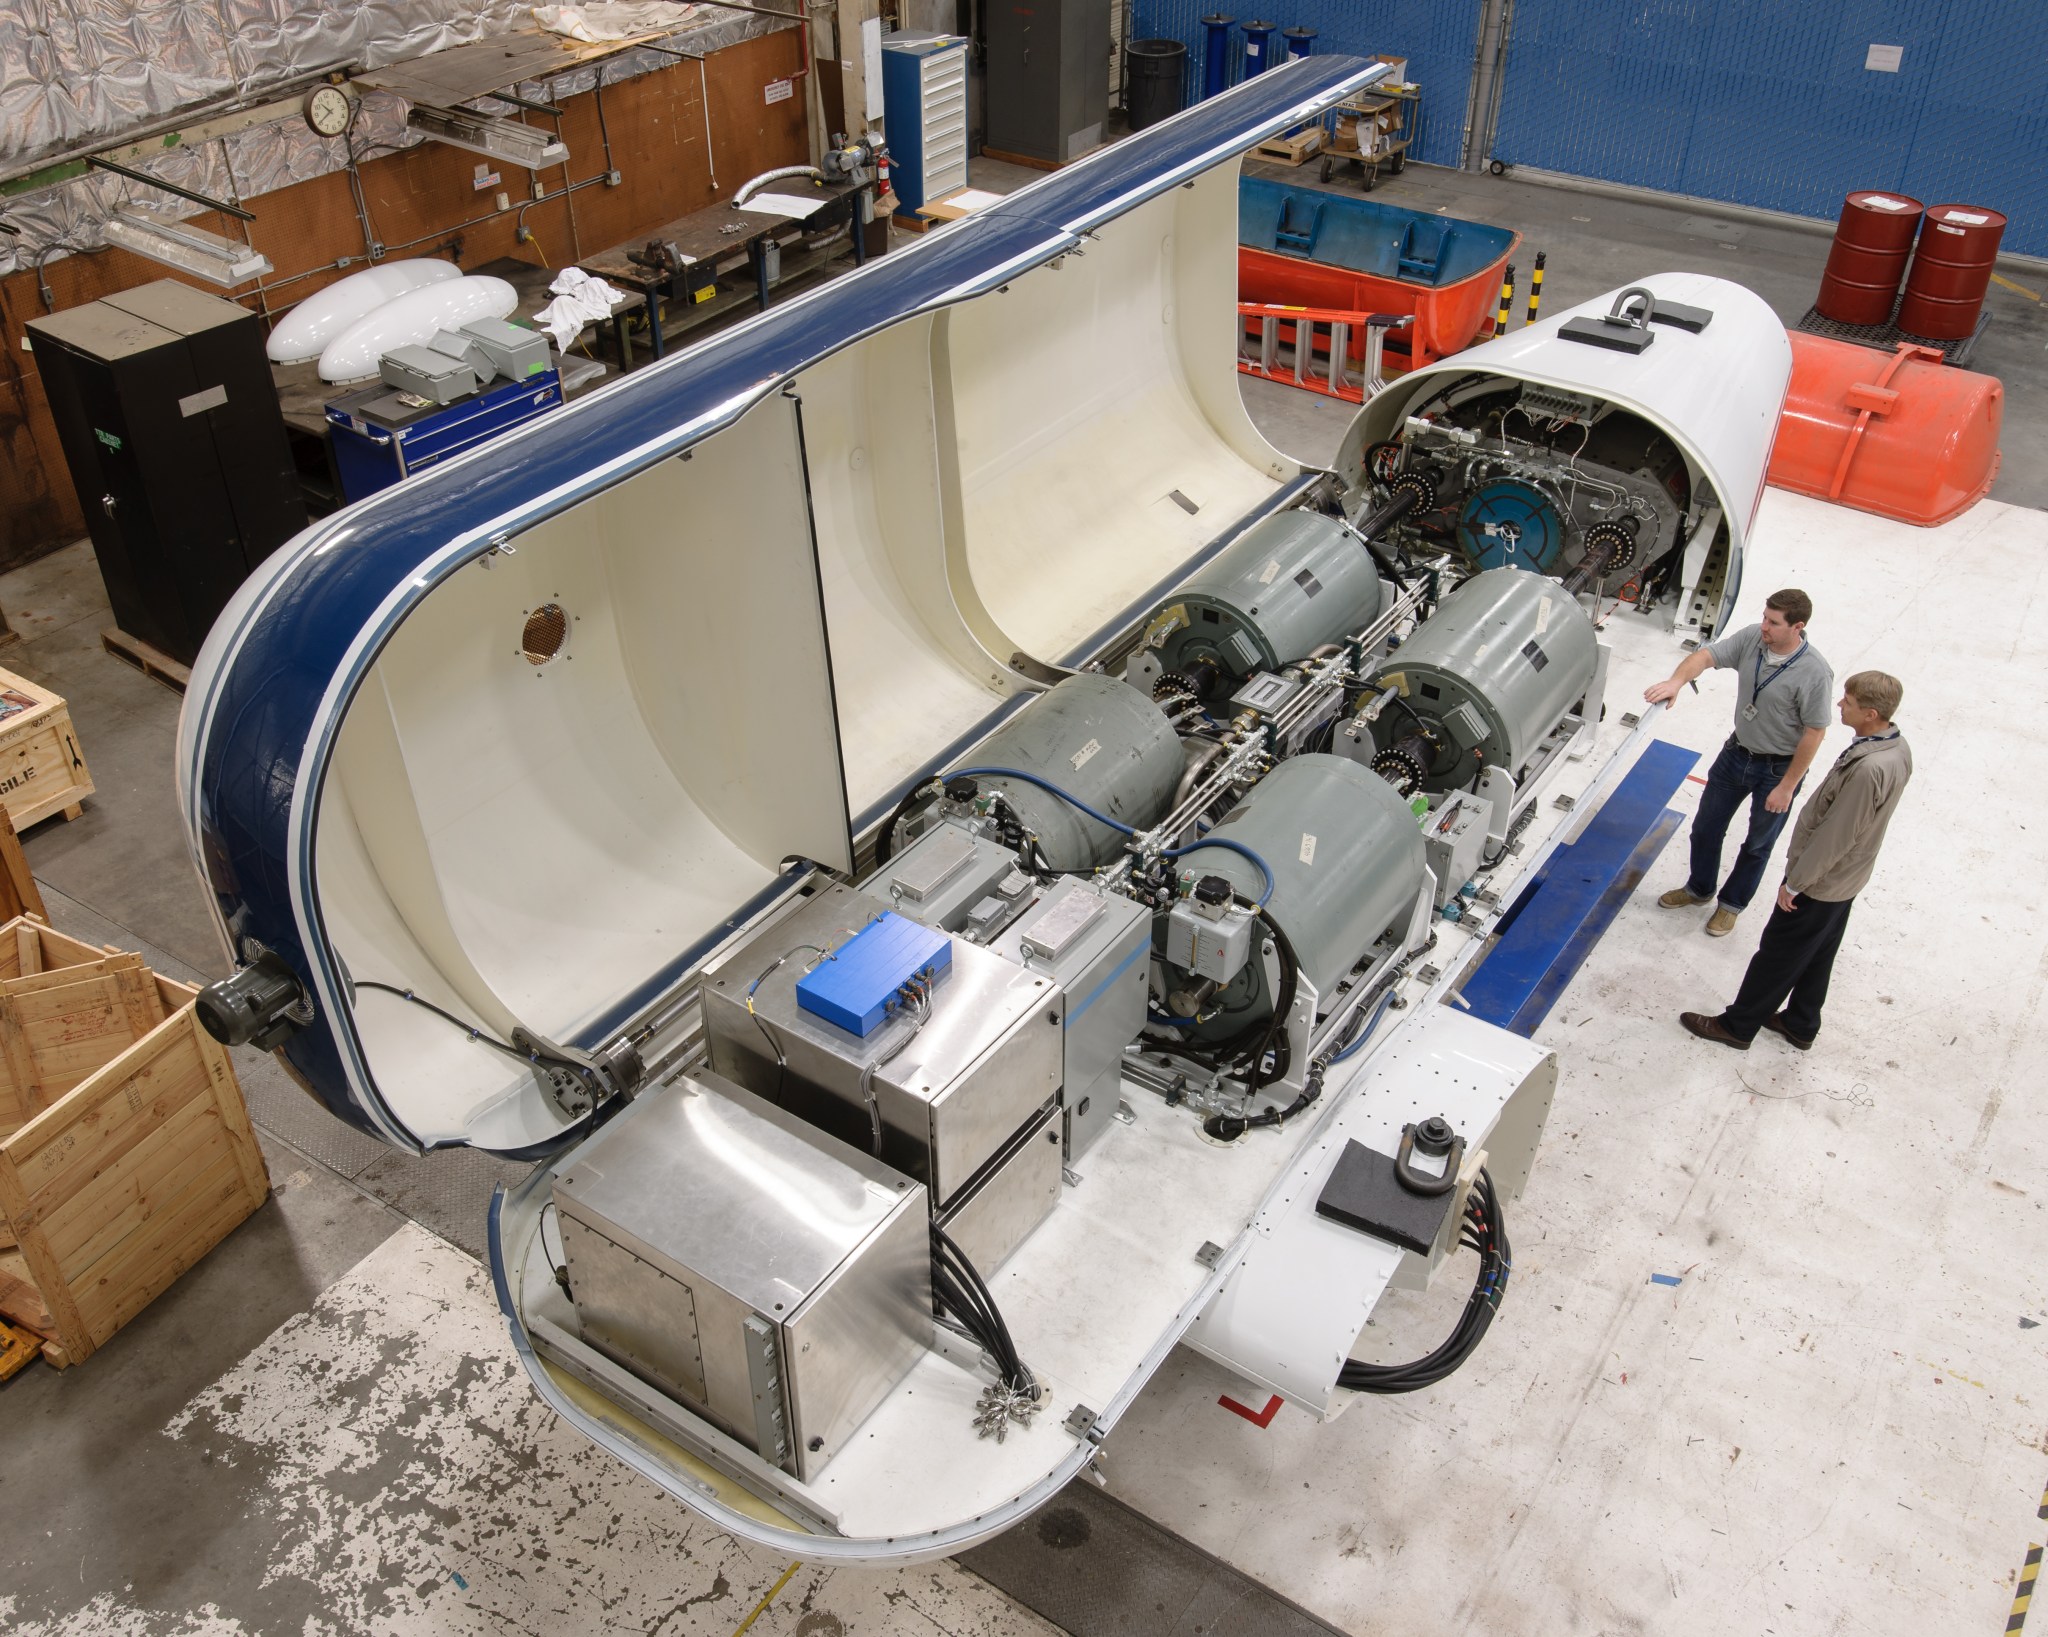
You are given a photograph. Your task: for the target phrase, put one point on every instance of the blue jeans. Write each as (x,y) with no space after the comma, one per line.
(1736,776)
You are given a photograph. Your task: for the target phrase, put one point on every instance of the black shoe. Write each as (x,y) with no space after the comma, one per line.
(1711,1028)
(1777,1027)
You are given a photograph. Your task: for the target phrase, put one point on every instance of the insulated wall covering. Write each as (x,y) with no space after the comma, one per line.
(78,72)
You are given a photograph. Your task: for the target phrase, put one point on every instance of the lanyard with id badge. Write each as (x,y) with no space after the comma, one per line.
(1760,682)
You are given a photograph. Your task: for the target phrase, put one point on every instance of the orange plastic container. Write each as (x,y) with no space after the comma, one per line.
(1900,434)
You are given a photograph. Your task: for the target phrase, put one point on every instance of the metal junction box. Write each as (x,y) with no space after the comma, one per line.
(1455,838)
(948,1101)
(747,1264)
(1094,943)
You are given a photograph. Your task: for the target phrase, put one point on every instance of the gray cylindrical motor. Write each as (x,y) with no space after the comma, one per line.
(1103,743)
(1489,674)
(1289,584)
(1347,861)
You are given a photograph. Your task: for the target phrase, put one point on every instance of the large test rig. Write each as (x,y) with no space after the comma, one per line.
(948,850)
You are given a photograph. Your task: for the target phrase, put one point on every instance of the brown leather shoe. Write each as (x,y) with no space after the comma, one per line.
(1721,922)
(1679,898)
(1777,1027)
(1710,1028)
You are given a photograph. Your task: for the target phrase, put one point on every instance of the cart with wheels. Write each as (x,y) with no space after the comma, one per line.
(1373,131)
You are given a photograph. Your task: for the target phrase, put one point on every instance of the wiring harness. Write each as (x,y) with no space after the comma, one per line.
(964,1304)
(1483,1231)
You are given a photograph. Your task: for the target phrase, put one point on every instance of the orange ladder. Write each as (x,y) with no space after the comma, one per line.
(1321,359)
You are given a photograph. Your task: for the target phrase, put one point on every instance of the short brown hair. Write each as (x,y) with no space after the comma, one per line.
(1796,606)
(1875,691)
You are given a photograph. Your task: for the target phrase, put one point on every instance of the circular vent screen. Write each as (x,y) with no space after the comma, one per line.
(547,628)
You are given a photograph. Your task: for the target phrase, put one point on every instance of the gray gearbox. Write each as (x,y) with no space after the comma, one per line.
(1347,861)
(1287,585)
(1484,679)
(1102,743)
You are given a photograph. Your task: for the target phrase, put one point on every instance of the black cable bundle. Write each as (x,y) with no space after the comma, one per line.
(1485,1232)
(962,1295)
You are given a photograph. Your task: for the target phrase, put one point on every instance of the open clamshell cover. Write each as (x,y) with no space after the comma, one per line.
(528,736)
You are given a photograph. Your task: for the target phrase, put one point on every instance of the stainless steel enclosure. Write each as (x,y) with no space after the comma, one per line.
(748,1264)
(1495,668)
(987,1061)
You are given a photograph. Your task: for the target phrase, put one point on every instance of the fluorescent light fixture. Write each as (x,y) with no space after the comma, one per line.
(189,249)
(500,139)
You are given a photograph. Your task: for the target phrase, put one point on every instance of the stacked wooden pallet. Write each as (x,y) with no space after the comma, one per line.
(125,1147)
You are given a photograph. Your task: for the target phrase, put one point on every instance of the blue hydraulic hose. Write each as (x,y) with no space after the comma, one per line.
(1044,784)
(1081,806)
(1371,1023)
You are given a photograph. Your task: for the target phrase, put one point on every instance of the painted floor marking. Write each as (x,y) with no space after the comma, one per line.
(1258,1418)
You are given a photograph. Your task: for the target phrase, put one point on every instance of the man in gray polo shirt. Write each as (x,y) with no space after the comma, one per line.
(1782,690)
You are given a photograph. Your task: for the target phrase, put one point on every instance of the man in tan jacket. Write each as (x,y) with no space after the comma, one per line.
(1834,844)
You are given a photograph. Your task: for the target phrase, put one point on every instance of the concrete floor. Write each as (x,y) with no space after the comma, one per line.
(1833,1423)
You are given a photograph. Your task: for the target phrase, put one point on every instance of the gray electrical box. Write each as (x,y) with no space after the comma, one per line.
(771,1278)
(514,351)
(1454,838)
(952,879)
(1093,942)
(1210,946)
(429,373)
(1048,78)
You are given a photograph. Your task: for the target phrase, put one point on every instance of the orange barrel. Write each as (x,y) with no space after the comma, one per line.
(1951,271)
(1873,241)
(1900,434)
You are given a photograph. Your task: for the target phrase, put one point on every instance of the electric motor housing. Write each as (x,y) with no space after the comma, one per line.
(1347,860)
(1102,743)
(1289,584)
(1486,678)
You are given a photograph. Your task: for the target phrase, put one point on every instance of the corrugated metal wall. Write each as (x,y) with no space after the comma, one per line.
(1436,36)
(1763,103)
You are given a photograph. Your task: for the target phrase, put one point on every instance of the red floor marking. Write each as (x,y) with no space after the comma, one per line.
(1694,778)
(1258,1418)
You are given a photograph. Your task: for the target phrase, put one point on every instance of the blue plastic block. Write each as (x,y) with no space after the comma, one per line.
(856,986)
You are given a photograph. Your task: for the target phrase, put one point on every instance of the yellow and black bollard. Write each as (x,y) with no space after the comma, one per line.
(1535,287)
(1507,300)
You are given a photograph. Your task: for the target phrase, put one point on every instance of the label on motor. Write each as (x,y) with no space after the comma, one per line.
(1308,848)
(1272,573)
(1081,757)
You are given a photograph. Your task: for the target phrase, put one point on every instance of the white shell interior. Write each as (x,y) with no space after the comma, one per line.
(528,844)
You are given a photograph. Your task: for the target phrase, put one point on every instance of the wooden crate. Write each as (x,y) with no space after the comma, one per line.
(41,768)
(123,1184)
(66,1010)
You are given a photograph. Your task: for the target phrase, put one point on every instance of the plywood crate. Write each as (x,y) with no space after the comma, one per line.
(42,770)
(66,1010)
(123,1184)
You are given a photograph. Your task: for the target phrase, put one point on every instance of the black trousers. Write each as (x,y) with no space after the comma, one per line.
(1790,968)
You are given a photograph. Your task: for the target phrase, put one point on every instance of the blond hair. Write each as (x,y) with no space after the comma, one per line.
(1876,691)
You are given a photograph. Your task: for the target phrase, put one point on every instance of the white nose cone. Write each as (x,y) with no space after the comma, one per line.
(411,319)
(305,331)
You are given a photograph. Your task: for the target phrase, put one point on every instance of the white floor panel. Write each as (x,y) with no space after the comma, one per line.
(1838,1419)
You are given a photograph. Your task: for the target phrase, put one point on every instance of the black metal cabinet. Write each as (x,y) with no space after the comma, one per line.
(170,424)
(1048,78)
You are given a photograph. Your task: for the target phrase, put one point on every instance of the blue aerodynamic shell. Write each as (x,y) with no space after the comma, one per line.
(285,660)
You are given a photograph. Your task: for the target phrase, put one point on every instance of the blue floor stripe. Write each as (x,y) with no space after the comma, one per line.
(1550,929)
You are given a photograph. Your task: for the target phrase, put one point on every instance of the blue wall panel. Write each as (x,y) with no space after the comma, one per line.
(1436,36)
(1762,103)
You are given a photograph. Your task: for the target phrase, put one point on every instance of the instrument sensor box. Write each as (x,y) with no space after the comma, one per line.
(854,986)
